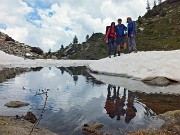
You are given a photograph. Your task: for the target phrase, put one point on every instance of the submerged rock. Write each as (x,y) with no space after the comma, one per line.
(93,129)
(159,81)
(16,104)
(30,117)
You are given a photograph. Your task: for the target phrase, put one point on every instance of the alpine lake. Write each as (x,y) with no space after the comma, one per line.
(74,98)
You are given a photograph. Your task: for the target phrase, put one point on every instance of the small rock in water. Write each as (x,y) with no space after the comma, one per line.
(93,129)
(159,81)
(30,117)
(16,104)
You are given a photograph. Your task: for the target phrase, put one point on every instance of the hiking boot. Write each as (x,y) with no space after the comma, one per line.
(114,55)
(125,52)
(119,53)
(109,56)
(135,51)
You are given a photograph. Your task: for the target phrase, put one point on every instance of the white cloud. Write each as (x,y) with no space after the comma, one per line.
(83,17)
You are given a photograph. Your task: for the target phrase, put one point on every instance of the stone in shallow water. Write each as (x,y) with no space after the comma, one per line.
(30,117)
(93,129)
(159,81)
(16,104)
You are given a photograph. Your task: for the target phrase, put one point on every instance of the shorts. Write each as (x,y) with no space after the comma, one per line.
(120,40)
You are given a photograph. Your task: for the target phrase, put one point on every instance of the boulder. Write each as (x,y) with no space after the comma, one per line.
(9,39)
(159,81)
(30,117)
(93,129)
(16,104)
(172,1)
(37,50)
(172,121)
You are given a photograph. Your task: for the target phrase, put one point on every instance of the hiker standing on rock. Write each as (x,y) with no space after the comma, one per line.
(110,39)
(131,35)
(121,36)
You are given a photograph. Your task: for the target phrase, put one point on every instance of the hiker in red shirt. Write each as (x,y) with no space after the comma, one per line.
(110,39)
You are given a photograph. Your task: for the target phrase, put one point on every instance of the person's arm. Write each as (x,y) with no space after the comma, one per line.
(125,28)
(131,29)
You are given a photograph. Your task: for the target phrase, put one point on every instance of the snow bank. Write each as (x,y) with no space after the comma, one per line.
(7,60)
(135,85)
(142,65)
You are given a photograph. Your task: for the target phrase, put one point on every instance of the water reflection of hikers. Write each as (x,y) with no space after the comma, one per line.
(114,104)
(109,106)
(131,110)
(119,104)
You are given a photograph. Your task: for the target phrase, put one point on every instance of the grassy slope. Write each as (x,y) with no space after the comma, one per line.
(161,33)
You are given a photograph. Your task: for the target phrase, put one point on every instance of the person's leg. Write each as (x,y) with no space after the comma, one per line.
(130,44)
(114,47)
(118,46)
(119,49)
(134,45)
(109,47)
(125,45)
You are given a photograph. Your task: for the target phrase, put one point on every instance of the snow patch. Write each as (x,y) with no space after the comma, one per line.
(142,65)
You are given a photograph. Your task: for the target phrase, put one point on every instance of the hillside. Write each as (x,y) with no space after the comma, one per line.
(160,30)
(10,46)
(94,48)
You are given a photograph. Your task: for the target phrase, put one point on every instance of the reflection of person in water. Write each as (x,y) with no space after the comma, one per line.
(119,104)
(131,110)
(109,106)
(114,104)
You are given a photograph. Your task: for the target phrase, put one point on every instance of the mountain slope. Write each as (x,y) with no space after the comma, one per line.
(94,48)
(161,28)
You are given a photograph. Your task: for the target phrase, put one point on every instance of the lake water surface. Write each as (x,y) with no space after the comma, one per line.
(76,98)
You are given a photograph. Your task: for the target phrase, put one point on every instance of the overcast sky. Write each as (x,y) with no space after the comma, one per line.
(50,23)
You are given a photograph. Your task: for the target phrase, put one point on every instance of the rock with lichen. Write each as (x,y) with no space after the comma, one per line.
(16,104)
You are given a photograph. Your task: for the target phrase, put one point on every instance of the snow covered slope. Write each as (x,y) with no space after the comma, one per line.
(142,65)
(7,60)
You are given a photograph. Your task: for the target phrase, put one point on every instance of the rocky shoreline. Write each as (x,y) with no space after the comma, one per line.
(14,125)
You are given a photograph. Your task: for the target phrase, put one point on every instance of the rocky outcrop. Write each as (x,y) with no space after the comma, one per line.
(172,121)
(16,104)
(10,46)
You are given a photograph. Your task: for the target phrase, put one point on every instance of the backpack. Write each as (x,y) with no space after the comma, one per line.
(107,27)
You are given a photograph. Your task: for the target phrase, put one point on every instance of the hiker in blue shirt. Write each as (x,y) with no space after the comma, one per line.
(121,36)
(131,35)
